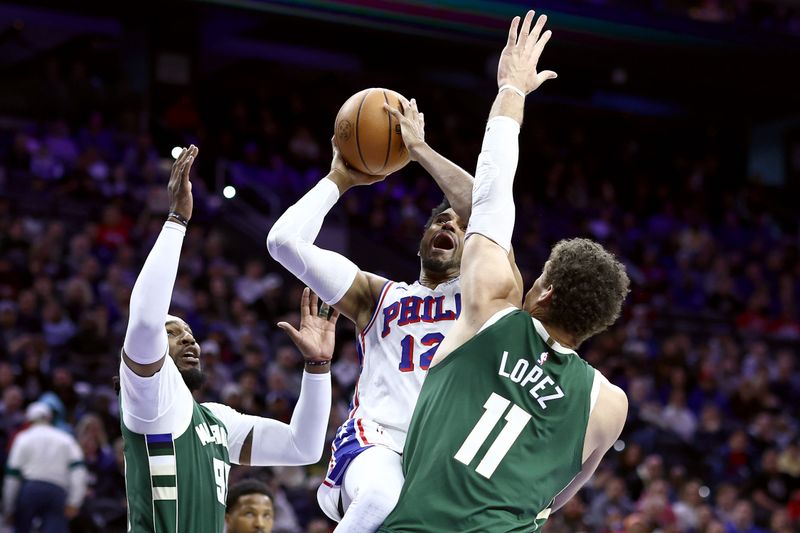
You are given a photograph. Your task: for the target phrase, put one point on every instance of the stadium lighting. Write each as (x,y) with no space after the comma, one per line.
(229,191)
(619,445)
(176,152)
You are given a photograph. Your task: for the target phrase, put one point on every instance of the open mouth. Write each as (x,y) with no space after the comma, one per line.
(190,356)
(443,241)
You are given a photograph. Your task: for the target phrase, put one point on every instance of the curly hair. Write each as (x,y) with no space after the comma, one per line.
(589,286)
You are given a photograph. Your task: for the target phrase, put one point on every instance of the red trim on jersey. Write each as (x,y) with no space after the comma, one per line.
(361,432)
(355,400)
(384,292)
(327,483)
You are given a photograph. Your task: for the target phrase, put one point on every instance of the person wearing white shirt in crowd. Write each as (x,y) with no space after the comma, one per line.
(45,475)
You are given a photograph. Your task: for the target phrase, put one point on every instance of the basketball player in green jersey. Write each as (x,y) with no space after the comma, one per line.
(178,452)
(511,422)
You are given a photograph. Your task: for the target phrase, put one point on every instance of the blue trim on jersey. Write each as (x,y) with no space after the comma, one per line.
(346,447)
(159,437)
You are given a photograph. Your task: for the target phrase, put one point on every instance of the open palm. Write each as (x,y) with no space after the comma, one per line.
(317,334)
(520,57)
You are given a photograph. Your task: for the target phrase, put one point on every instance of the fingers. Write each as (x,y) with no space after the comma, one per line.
(540,44)
(393,111)
(537,31)
(526,29)
(304,304)
(313,307)
(334,317)
(512,32)
(187,167)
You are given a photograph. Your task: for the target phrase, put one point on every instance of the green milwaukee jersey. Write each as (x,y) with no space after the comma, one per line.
(176,459)
(497,433)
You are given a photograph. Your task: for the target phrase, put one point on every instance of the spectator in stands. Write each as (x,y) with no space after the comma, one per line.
(45,475)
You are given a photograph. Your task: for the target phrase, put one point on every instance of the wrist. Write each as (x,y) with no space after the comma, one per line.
(418,150)
(317,366)
(513,89)
(341,180)
(178,217)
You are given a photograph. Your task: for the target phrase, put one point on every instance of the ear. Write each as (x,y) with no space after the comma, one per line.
(545,298)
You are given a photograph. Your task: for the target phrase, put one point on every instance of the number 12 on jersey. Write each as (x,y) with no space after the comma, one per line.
(516,419)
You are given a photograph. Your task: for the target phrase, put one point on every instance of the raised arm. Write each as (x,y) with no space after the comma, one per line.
(455,182)
(262,441)
(337,280)
(488,281)
(146,343)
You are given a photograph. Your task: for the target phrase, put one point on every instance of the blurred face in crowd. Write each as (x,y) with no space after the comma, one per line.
(252,513)
(442,243)
(185,351)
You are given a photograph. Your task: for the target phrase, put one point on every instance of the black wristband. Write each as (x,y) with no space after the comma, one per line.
(317,363)
(180,218)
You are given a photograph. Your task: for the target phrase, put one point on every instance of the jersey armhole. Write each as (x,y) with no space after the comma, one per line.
(378,302)
(496,317)
(595,393)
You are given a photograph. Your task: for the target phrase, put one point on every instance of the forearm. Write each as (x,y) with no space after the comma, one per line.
(492,194)
(291,243)
(454,181)
(146,337)
(77,486)
(302,440)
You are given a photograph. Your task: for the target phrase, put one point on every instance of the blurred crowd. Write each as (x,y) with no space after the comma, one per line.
(707,349)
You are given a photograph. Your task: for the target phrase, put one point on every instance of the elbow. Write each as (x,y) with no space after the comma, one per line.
(309,455)
(272,242)
(144,324)
(279,243)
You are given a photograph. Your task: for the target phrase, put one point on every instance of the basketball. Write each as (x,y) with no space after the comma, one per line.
(367,136)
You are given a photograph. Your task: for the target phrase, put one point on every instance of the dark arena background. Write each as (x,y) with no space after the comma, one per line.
(672,136)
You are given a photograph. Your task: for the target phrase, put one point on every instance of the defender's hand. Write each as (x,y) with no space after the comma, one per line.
(520,56)
(180,188)
(316,337)
(412,125)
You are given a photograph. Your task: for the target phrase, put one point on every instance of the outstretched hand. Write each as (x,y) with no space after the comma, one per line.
(317,334)
(520,56)
(179,187)
(412,125)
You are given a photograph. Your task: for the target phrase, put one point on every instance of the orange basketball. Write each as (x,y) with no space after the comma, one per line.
(369,137)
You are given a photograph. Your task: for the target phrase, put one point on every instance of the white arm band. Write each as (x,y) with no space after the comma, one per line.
(492,192)
(146,338)
(290,242)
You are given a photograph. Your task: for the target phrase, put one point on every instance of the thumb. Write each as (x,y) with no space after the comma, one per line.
(289,329)
(547,75)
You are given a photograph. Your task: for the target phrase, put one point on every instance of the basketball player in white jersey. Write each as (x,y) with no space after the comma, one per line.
(398,325)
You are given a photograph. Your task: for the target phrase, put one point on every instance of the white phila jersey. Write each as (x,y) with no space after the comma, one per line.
(396,348)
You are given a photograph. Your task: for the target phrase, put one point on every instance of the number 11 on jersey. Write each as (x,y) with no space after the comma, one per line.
(516,419)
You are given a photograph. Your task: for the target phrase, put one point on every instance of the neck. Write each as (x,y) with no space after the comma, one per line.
(433,279)
(567,340)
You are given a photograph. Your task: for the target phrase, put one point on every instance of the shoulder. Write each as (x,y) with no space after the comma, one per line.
(229,416)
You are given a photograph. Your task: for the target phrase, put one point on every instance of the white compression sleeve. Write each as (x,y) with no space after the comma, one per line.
(277,444)
(290,242)
(146,337)
(492,192)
